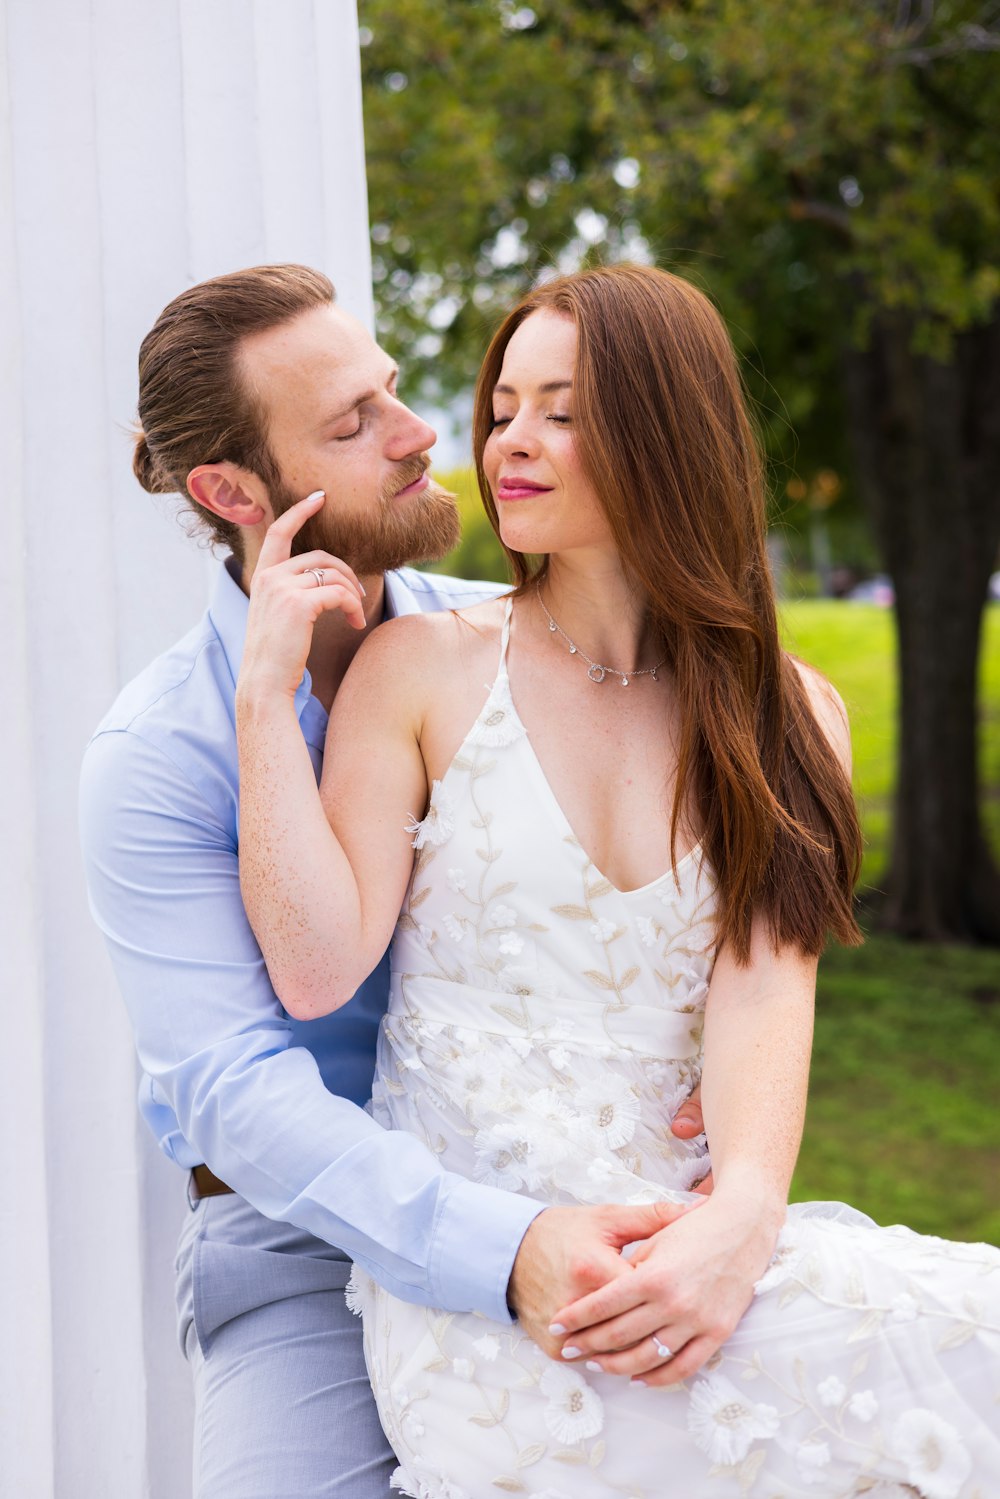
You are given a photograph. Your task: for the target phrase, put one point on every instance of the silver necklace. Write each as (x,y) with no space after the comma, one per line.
(595,671)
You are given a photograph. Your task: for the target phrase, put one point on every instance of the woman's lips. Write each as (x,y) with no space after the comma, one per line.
(521,489)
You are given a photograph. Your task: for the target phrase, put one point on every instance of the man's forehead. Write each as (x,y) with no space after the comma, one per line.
(324,337)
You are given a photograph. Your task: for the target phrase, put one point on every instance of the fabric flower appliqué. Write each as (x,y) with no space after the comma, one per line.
(439,824)
(647,930)
(454,928)
(831,1391)
(602,930)
(574,1412)
(510,944)
(812,1458)
(456,880)
(864,1405)
(501,915)
(936,1459)
(610,1107)
(723,1423)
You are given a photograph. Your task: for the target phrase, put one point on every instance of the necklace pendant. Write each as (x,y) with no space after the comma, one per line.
(552,626)
(596,673)
(653,675)
(572,650)
(624,681)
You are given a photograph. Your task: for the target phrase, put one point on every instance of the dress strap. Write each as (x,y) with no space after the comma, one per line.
(505,639)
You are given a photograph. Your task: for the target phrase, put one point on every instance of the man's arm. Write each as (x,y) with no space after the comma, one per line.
(215,1043)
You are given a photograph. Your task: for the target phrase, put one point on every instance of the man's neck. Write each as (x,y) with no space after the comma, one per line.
(335,642)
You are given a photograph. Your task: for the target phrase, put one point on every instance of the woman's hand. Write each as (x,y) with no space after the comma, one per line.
(691,1283)
(286,599)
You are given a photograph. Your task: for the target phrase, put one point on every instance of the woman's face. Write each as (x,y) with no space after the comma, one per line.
(544,501)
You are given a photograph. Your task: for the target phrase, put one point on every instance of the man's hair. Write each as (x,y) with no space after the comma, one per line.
(195,404)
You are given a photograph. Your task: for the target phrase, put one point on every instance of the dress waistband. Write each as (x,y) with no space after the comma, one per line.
(649,1030)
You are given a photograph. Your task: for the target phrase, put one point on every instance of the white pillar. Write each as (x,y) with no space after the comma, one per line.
(142,148)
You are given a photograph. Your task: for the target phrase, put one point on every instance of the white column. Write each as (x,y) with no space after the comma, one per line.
(142,148)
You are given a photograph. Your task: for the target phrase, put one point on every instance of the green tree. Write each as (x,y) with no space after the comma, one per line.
(829,172)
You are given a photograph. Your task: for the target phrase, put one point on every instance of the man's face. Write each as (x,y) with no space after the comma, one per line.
(336,424)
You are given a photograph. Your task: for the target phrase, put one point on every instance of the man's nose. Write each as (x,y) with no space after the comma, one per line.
(411,433)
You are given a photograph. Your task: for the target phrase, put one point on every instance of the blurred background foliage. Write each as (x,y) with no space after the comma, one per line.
(830,174)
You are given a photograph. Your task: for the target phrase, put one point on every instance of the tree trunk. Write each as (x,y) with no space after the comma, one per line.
(927,440)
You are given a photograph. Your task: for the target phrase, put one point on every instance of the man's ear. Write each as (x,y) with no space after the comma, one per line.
(231,492)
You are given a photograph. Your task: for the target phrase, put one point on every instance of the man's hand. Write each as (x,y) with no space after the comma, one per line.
(687,1123)
(569,1252)
(689,1285)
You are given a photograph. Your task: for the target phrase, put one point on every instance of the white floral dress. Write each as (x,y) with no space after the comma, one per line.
(543,1028)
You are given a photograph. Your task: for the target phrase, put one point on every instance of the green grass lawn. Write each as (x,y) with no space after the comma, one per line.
(906,1067)
(854,644)
(902,1117)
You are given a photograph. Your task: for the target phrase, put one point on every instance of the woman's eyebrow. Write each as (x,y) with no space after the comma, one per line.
(546,389)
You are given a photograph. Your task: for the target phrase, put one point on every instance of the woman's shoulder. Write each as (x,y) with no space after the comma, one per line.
(424,645)
(828,707)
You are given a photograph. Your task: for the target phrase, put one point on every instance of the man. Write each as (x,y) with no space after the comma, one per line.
(255,389)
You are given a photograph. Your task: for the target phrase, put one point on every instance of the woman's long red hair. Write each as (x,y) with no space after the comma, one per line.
(664,435)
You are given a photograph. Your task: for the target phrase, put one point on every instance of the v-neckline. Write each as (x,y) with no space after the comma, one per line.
(559,814)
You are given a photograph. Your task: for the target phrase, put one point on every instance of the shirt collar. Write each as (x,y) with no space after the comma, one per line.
(228,609)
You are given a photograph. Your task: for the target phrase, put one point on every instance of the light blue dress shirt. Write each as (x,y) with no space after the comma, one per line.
(272,1105)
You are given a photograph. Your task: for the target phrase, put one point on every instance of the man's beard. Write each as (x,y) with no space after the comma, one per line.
(422,527)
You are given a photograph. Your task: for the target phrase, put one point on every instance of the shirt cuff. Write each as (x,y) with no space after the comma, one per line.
(476,1239)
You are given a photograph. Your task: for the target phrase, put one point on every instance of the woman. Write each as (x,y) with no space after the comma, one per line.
(624,873)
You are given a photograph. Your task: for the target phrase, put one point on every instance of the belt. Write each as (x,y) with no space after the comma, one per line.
(205,1183)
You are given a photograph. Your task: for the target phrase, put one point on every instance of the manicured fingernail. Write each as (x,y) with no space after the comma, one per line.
(317,494)
(571,1352)
(556,1329)
(640,1381)
(364,591)
(594,1368)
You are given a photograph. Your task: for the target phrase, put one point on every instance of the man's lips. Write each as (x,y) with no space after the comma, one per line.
(516,488)
(415,487)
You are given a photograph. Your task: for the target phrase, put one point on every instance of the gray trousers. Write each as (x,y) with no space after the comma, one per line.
(283,1405)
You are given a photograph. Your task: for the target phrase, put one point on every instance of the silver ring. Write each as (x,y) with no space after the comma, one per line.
(319,574)
(662,1351)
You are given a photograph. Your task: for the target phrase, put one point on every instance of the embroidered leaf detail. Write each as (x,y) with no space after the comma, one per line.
(419,896)
(749,1468)
(460,763)
(484,821)
(483,769)
(531,1455)
(424,856)
(597,1454)
(602,887)
(859,1366)
(488,857)
(750,1373)
(600,979)
(537,926)
(573,913)
(509,1484)
(789,1294)
(407,923)
(504,889)
(436,1365)
(441,1324)
(483,1418)
(854,1290)
(869,1323)
(504,1403)
(576,1459)
(516,1017)
(628,977)
(956,1336)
